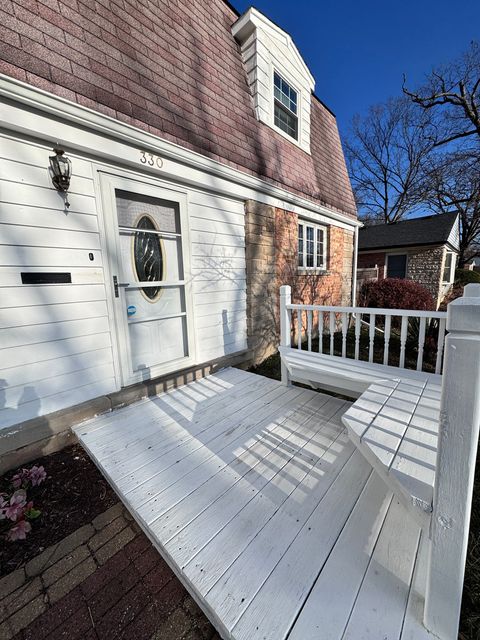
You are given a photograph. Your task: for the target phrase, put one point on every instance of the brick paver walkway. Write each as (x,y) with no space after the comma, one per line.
(103,582)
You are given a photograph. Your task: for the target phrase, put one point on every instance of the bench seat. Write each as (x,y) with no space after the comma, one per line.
(394,422)
(344,374)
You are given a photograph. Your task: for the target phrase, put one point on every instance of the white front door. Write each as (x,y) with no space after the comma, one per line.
(148,251)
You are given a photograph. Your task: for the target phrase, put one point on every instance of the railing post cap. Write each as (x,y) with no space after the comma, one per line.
(472,290)
(464,313)
(285,290)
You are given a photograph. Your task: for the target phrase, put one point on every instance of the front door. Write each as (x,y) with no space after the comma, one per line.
(147,256)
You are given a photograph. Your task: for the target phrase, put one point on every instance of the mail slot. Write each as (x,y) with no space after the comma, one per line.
(38,277)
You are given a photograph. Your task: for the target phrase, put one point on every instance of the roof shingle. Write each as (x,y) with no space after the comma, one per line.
(427,230)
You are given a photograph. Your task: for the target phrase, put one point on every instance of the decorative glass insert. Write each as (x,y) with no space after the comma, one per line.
(148,257)
(312,246)
(285,106)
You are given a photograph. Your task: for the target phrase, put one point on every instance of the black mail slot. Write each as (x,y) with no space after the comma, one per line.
(46,278)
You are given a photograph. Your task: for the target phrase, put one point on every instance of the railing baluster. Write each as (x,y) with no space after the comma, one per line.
(344,335)
(332,330)
(403,340)
(320,332)
(309,329)
(421,342)
(299,329)
(371,337)
(357,335)
(386,335)
(440,342)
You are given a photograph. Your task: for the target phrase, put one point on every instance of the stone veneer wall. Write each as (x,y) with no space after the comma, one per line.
(425,265)
(271,257)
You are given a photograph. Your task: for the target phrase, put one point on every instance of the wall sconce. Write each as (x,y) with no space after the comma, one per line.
(61,168)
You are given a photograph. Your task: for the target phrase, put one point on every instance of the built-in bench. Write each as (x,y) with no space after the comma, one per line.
(394,422)
(418,430)
(345,375)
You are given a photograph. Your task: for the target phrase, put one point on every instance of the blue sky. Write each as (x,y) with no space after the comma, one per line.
(358,49)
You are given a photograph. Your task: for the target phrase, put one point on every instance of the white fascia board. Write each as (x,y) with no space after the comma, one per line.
(108,138)
(253,19)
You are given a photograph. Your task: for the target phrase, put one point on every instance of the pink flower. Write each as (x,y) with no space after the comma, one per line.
(19,531)
(16,506)
(37,475)
(19,478)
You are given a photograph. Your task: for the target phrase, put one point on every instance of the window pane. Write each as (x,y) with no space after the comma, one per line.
(397,266)
(447,268)
(284,93)
(285,121)
(320,250)
(300,245)
(310,247)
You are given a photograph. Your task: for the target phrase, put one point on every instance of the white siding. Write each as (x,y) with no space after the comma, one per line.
(56,345)
(266,47)
(454,237)
(217,236)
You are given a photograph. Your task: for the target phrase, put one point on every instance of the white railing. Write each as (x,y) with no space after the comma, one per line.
(345,327)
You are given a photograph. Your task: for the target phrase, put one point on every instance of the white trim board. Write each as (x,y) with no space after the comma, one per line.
(51,117)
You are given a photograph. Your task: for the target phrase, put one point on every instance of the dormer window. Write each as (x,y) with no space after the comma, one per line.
(280,83)
(285,106)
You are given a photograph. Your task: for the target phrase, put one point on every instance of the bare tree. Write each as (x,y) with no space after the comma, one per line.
(453,185)
(452,93)
(385,154)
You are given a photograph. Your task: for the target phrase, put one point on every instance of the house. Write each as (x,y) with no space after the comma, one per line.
(164,167)
(422,249)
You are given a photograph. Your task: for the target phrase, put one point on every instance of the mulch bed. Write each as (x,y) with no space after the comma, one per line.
(73,494)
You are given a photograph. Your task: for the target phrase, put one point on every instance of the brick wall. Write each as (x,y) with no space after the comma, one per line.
(368,260)
(272,259)
(172,68)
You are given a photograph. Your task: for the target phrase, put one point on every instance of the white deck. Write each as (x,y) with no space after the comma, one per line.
(257,499)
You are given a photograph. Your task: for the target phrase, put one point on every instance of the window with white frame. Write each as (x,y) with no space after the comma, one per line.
(448,268)
(312,246)
(285,115)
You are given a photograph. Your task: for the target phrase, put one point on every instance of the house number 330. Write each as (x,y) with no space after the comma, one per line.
(150,160)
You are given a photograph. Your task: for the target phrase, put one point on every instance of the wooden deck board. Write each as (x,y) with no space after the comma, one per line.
(259,502)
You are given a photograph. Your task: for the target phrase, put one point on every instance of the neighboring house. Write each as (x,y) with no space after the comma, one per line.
(199,153)
(422,249)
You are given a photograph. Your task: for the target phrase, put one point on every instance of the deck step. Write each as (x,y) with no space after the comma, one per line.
(395,425)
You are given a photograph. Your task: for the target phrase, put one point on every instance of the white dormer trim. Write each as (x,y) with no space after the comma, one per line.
(265,48)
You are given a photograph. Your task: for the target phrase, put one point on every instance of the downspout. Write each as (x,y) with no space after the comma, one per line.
(354,268)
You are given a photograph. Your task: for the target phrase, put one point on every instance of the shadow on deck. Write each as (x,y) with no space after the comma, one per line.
(259,502)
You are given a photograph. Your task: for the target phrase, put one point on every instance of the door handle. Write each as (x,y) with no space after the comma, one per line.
(115,286)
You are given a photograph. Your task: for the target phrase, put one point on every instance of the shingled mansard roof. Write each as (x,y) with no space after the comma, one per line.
(175,70)
(427,230)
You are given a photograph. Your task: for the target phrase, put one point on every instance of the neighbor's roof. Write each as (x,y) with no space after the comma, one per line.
(428,230)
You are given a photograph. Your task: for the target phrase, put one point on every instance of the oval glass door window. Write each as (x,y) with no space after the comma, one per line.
(148,256)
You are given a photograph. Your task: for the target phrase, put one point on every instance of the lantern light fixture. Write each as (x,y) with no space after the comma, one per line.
(61,168)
